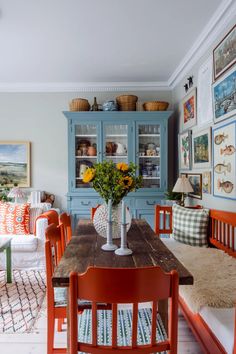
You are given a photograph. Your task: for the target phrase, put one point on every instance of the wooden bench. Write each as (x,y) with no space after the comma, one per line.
(222,229)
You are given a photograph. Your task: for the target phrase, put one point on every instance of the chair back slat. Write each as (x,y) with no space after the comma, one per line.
(135,325)
(163,220)
(66,230)
(154,322)
(126,285)
(93,209)
(114,325)
(94,323)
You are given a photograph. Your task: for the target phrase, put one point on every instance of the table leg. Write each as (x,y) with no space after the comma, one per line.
(163,312)
(68,323)
(8,264)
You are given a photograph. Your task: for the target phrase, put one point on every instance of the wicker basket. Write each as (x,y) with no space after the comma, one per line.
(79,104)
(155,106)
(127,102)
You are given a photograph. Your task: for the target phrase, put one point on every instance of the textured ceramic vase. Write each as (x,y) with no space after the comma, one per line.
(100,220)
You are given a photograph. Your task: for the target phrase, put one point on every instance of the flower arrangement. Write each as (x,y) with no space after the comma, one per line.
(113,181)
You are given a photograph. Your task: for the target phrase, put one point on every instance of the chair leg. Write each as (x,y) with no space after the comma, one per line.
(50,333)
(60,322)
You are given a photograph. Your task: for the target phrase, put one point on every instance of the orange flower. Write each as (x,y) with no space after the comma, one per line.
(122,166)
(126,182)
(88,175)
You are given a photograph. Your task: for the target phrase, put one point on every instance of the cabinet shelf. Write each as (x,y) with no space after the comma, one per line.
(149,157)
(116,135)
(151,177)
(86,157)
(117,157)
(86,135)
(149,135)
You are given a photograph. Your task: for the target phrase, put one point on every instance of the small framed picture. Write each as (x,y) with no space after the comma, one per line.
(185,150)
(206,182)
(201,148)
(224,96)
(224,55)
(189,110)
(224,161)
(195,180)
(14,163)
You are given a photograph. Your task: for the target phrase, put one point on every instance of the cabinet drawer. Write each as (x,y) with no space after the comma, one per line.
(84,203)
(146,203)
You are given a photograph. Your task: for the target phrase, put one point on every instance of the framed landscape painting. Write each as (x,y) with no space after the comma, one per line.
(189,110)
(14,164)
(224,161)
(224,55)
(195,180)
(185,150)
(224,96)
(201,148)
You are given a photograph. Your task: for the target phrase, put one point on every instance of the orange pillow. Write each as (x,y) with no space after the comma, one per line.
(14,219)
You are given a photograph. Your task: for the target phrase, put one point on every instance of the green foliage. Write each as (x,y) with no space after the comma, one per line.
(173,195)
(3,195)
(114,183)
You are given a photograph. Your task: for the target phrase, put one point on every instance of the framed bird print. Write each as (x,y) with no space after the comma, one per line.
(224,161)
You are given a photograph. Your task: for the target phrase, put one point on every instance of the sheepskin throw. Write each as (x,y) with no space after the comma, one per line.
(214,275)
(190,226)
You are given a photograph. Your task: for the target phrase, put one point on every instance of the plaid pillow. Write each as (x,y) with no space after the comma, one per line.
(190,226)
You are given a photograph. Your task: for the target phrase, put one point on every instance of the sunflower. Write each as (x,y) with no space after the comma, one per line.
(126,182)
(88,175)
(122,166)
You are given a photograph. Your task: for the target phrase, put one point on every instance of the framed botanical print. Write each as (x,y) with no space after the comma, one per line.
(14,164)
(189,110)
(224,161)
(224,55)
(185,150)
(201,148)
(195,180)
(224,96)
(206,182)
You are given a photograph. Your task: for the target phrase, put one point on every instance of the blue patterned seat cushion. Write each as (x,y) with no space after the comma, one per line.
(124,327)
(60,296)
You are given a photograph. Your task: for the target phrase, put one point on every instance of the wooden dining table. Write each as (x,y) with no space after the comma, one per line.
(84,250)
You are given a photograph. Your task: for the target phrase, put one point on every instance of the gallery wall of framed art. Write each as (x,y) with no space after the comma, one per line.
(212,126)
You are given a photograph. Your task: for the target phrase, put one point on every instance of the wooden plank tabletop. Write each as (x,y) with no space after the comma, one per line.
(84,250)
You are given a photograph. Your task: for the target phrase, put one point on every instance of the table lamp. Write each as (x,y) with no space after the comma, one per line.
(16,193)
(182,185)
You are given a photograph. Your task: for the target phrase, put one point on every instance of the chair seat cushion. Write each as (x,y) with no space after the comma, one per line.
(124,328)
(60,298)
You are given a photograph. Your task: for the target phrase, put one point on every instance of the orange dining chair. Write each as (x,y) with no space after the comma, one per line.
(66,230)
(56,297)
(129,330)
(93,209)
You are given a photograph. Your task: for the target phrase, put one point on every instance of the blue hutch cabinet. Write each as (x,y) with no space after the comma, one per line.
(140,137)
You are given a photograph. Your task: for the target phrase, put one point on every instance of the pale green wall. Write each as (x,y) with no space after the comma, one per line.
(178,94)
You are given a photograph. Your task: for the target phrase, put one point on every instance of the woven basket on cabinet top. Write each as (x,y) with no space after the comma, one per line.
(155,106)
(79,104)
(127,102)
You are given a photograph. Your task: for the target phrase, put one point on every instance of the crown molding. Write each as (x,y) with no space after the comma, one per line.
(216,26)
(23,87)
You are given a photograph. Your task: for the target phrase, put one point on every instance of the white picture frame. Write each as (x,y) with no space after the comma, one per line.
(189,110)
(204,93)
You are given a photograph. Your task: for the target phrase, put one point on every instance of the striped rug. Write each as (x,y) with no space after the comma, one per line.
(21,301)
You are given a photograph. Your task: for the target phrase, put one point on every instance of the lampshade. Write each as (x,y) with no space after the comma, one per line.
(16,192)
(182,185)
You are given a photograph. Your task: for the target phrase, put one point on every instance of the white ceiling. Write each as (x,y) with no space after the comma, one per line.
(81,41)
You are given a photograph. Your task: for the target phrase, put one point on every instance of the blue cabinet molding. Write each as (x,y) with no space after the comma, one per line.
(137,134)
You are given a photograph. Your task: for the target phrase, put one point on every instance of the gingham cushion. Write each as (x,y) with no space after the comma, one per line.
(190,226)
(124,330)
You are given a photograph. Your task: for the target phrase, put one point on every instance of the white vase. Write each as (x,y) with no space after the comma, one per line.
(100,220)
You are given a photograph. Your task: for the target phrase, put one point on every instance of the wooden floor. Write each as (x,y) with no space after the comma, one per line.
(35,343)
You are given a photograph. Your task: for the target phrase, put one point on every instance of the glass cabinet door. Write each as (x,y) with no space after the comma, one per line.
(85,151)
(148,154)
(116,142)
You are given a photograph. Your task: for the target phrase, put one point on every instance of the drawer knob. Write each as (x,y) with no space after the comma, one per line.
(85,204)
(150,203)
